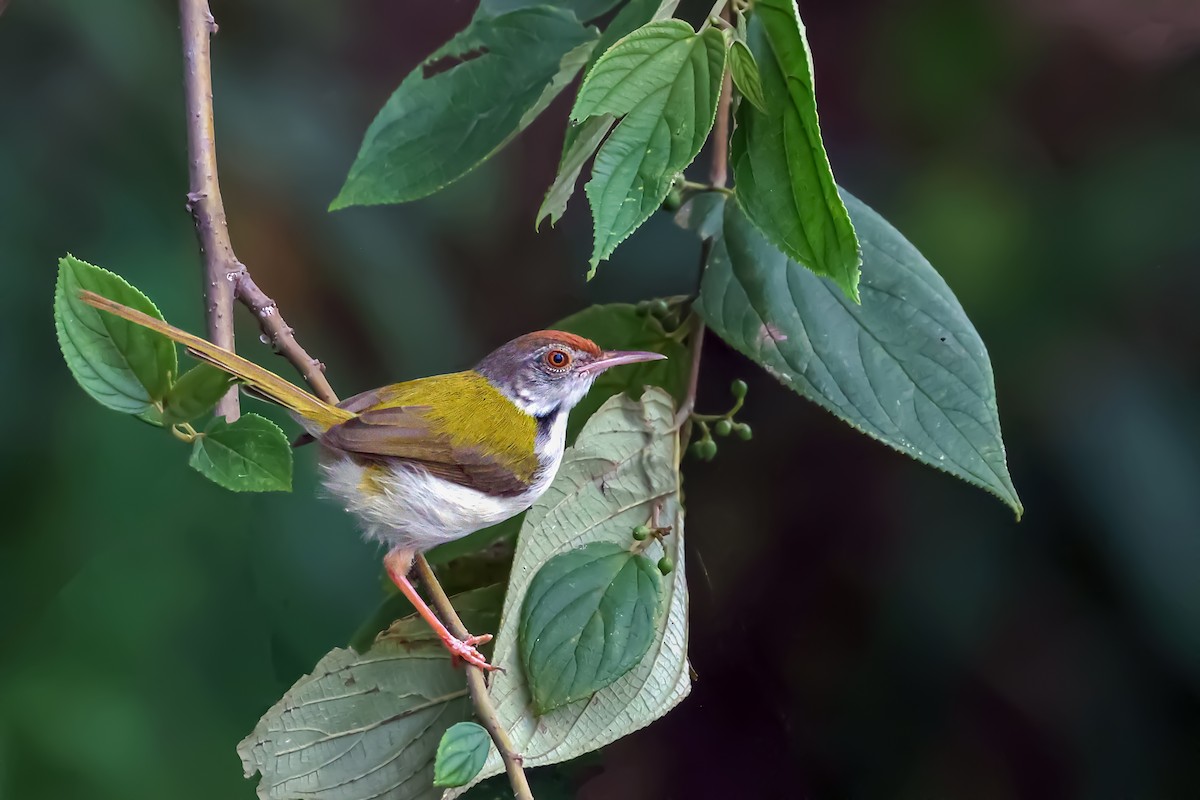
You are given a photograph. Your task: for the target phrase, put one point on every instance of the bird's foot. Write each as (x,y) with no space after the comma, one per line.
(464,649)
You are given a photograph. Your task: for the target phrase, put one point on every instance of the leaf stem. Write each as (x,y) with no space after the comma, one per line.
(228,279)
(477,685)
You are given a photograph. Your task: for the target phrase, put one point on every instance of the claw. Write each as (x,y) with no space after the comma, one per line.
(465,650)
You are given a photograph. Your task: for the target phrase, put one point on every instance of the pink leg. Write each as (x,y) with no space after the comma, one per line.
(397,563)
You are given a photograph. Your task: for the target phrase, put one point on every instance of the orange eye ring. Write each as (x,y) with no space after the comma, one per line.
(557,359)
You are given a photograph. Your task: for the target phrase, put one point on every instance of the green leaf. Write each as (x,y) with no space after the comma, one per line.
(433,130)
(582,140)
(584,10)
(588,618)
(250,454)
(783,175)
(632,16)
(619,326)
(906,367)
(746,78)
(123,366)
(663,80)
(195,393)
(620,471)
(364,725)
(460,754)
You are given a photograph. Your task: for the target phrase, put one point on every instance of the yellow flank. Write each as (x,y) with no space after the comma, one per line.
(468,410)
(368,484)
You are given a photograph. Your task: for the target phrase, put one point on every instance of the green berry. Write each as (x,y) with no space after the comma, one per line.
(641,532)
(723,427)
(665,565)
(673,200)
(738,388)
(710,450)
(696,449)
(743,431)
(659,307)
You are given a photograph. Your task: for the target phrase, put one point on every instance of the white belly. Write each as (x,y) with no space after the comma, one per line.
(413,509)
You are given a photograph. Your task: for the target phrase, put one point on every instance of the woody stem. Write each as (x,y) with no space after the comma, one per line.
(227,279)
(484,709)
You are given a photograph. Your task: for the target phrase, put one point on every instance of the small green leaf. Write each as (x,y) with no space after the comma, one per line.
(250,454)
(195,393)
(588,618)
(433,130)
(744,70)
(461,754)
(123,366)
(619,326)
(582,140)
(663,81)
(783,175)
(906,367)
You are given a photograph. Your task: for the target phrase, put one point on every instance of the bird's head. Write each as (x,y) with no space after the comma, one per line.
(549,371)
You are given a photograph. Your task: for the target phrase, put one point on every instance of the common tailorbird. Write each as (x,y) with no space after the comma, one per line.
(426,461)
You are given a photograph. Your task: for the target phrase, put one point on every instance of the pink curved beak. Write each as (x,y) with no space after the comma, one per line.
(615,358)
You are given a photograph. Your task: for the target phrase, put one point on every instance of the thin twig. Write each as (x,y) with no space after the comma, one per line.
(204,194)
(484,709)
(718,175)
(226,278)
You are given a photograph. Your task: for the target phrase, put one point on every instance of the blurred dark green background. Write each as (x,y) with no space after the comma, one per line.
(862,626)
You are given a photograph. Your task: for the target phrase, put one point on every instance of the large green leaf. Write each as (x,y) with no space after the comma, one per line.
(663,80)
(588,618)
(783,175)
(620,472)
(123,366)
(620,326)
(250,454)
(584,10)
(906,367)
(433,130)
(367,725)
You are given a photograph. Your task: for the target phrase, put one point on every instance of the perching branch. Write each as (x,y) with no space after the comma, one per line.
(484,709)
(227,279)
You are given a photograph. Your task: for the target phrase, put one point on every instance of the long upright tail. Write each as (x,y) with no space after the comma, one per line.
(262,381)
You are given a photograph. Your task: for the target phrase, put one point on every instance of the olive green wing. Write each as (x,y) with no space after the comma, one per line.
(413,434)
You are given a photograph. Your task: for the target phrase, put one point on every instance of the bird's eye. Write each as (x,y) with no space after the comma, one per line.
(558,359)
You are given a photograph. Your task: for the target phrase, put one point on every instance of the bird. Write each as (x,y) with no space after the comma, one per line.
(430,460)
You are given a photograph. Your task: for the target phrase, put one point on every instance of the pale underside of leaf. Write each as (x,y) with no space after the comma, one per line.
(367,726)
(906,367)
(623,467)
